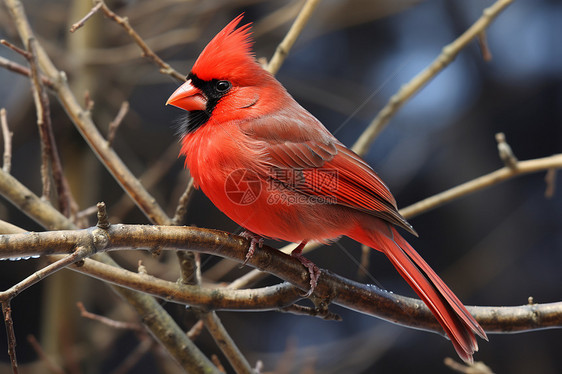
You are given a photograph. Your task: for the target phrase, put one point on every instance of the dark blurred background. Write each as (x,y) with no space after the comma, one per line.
(495,247)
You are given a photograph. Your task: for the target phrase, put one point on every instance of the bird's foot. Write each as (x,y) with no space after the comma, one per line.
(255,239)
(313,270)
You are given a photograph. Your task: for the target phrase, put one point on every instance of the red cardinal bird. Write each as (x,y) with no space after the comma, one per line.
(274,169)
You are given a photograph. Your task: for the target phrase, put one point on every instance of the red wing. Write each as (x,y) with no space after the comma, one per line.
(348,180)
(299,152)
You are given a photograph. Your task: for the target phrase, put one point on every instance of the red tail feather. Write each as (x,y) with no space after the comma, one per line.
(451,314)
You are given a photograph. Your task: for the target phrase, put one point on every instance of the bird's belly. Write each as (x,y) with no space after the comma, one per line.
(277,213)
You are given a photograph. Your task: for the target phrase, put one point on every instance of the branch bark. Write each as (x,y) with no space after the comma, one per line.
(331,287)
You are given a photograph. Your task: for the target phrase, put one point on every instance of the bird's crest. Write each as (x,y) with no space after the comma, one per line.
(229,55)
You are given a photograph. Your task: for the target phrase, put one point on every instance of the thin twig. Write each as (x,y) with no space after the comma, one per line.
(550,179)
(225,343)
(114,125)
(88,102)
(77,25)
(7,312)
(484,48)
(51,364)
(108,321)
(195,330)
(41,112)
(217,363)
(505,152)
(80,253)
(16,49)
(285,46)
(22,70)
(50,155)
(7,135)
(477,184)
(183,202)
(447,55)
(146,51)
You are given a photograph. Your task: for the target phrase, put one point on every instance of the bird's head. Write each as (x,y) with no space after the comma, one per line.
(225,80)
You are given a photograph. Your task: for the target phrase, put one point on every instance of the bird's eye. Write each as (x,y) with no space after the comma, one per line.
(223,86)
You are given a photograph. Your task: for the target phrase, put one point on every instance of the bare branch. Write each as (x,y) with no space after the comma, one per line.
(50,155)
(146,51)
(195,330)
(77,25)
(161,324)
(183,202)
(419,81)
(18,50)
(22,70)
(477,184)
(43,115)
(483,43)
(225,343)
(7,135)
(550,179)
(86,126)
(81,252)
(52,365)
(7,312)
(114,125)
(88,102)
(108,321)
(285,46)
(353,295)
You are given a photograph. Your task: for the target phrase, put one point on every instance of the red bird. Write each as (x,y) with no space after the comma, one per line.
(274,169)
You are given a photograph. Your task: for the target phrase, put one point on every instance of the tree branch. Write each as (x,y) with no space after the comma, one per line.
(81,118)
(285,46)
(146,51)
(496,177)
(447,55)
(22,70)
(161,325)
(7,312)
(7,136)
(353,295)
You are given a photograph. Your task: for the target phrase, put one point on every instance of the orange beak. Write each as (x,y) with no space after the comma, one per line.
(188,97)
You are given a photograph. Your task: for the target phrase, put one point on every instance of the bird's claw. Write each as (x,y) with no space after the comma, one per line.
(313,270)
(254,239)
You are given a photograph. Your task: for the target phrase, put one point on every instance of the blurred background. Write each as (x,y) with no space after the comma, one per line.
(495,247)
